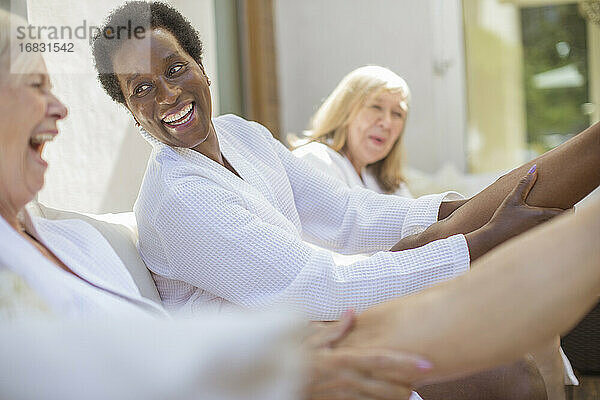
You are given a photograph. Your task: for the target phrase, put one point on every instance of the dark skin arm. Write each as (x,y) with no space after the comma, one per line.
(512,217)
(566,175)
(448,207)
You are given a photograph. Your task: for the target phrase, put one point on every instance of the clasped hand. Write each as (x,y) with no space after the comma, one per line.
(512,217)
(357,373)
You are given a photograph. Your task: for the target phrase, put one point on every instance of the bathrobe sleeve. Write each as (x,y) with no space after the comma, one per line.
(122,359)
(352,220)
(212,240)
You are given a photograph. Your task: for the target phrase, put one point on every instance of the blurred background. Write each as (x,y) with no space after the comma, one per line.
(494,82)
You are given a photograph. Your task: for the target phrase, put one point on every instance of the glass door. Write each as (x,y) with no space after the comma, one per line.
(532,77)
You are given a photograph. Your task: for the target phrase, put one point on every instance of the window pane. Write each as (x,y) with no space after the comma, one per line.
(555,74)
(529,82)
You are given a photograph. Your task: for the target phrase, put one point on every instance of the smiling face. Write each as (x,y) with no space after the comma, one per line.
(374,129)
(28,119)
(171,100)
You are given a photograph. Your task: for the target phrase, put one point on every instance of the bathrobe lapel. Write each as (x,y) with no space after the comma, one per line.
(113,277)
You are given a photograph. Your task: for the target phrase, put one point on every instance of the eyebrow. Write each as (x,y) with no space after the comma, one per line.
(379,100)
(131,78)
(170,57)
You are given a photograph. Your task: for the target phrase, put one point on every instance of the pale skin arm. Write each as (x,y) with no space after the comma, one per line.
(531,288)
(337,373)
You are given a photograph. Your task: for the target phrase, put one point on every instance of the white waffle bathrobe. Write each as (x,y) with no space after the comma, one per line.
(106,288)
(326,159)
(212,239)
(66,338)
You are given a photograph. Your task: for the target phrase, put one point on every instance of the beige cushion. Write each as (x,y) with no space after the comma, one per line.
(120,231)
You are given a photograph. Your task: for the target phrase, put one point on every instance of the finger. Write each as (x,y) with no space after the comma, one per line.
(521,190)
(343,327)
(336,383)
(544,214)
(551,213)
(526,183)
(551,210)
(383,364)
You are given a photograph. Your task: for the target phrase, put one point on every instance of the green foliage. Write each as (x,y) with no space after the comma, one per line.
(556,110)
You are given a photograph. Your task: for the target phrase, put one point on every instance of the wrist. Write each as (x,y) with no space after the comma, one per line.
(481,241)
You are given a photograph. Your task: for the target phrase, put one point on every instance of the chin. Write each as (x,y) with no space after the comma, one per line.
(34,188)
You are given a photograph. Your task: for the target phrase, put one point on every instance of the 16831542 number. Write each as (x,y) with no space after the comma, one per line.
(47,47)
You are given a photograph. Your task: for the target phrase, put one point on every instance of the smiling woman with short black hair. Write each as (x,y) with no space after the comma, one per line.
(224,208)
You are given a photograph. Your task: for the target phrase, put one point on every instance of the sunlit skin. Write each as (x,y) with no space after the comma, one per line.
(375,128)
(28,110)
(174,82)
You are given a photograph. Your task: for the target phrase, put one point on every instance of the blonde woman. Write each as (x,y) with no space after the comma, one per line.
(356,135)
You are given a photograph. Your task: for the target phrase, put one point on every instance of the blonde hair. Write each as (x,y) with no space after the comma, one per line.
(12,59)
(330,123)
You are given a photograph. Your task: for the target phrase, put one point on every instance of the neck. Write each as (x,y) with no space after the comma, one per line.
(358,166)
(210,146)
(10,215)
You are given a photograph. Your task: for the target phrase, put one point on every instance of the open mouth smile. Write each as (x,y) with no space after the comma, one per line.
(377,140)
(181,118)
(37,142)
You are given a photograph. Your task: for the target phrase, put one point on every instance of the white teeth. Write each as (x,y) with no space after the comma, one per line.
(42,138)
(179,115)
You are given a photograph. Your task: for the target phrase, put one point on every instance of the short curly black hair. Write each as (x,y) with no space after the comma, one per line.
(149,15)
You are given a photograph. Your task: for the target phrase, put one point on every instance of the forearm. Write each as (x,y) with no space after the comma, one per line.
(479,242)
(566,175)
(448,207)
(533,287)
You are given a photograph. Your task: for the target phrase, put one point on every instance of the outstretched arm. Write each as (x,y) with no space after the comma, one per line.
(533,287)
(513,217)
(566,175)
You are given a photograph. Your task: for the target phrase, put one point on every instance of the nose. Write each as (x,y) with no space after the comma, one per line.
(385,119)
(56,109)
(167,93)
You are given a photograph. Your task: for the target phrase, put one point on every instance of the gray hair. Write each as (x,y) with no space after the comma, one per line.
(14,62)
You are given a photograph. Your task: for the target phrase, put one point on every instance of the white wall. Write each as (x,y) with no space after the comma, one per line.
(318,42)
(98,160)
